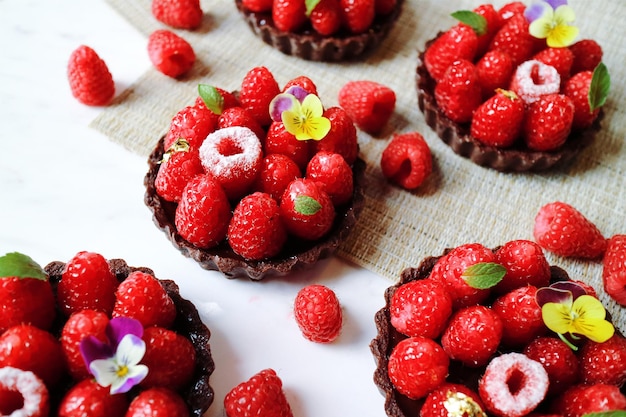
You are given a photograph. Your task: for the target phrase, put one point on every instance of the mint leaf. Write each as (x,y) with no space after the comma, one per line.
(473,20)
(19,265)
(483,275)
(310,6)
(306,205)
(212,98)
(599,88)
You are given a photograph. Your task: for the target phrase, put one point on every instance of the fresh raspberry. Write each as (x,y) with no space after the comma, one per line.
(368,103)
(384,7)
(342,137)
(407,160)
(87,282)
(513,385)
(217,104)
(203,213)
(587,55)
(458,43)
(511,9)
(493,24)
(577,89)
(604,363)
(558,359)
(417,366)
(472,335)
(534,79)
(563,230)
(178,167)
(288,15)
(520,315)
(326,17)
(358,15)
(191,123)
(514,39)
(306,209)
(498,121)
(261,395)
(495,70)
(239,116)
(449,271)
(459,93)
(142,297)
(90,81)
(548,122)
(525,264)
(180,14)
(256,230)
(258,6)
(303,82)
(318,313)
(258,88)
(26,298)
(561,59)
(451,396)
(614,269)
(31,349)
(276,172)
(334,175)
(80,325)
(22,393)
(169,53)
(170,357)
(585,399)
(92,399)
(158,401)
(420,308)
(279,141)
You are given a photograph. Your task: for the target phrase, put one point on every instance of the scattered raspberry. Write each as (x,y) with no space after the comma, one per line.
(513,385)
(358,15)
(548,122)
(261,395)
(604,363)
(563,230)
(142,297)
(279,141)
(90,398)
(459,92)
(560,59)
(520,315)
(333,173)
(534,79)
(514,39)
(193,124)
(258,6)
(258,88)
(525,264)
(407,160)
(275,174)
(577,89)
(288,15)
(80,325)
(498,121)
(318,313)
(458,43)
(495,70)
(159,401)
(326,17)
(256,230)
(169,53)
(23,394)
(584,399)
(449,396)
(87,283)
(90,81)
(239,116)
(417,366)
(587,55)
(306,209)
(614,269)
(420,308)
(180,14)
(178,167)
(368,103)
(559,361)
(341,138)
(303,82)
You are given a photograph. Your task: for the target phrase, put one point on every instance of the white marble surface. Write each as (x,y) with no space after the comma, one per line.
(67,188)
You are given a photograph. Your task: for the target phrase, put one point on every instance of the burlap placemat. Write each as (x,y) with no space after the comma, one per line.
(460,202)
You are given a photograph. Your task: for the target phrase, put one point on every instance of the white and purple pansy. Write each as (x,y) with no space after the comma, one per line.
(552,20)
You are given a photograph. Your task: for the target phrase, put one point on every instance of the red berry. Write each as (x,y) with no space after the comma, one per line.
(511,9)
(342,137)
(158,401)
(318,313)
(258,88)
(614,269)
(178,167)
(494,70)
(303,82)
(307,210)
(558,359)
(464,402)
(239,116)
(180,14)
(22,393)
(561,59)
(92,399)
(498,121)
(514,39)
(276,172)
(261,395)
(87,283)
(458,43)
(326,17)
(193,124)
(604,363)
(80,325)
(142,297)
(258,6)
(169,53)
(533,79)
(520,315)
(493,24)
(584,399)
(226,100)
(90,81)
(563,230)
(358,15)
(407,160)
(525,264)
(368,103)
(288,15)
(548,122)
(459,93)
(577,89)
(333,174)
(384,7)
(279,141)
(587,55)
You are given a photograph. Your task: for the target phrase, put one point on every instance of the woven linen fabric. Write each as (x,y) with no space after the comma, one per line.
(460,202)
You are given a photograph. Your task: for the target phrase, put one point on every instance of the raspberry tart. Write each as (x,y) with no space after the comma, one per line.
(506,93)
(281,175)
(331,31)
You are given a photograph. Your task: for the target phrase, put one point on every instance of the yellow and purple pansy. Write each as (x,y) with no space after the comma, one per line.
(552,20)
(302,114)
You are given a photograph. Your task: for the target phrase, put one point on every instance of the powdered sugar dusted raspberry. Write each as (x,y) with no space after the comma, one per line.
(534,79)
(31,388)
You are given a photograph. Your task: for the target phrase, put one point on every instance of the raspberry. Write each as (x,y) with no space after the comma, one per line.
(258,6)
(307,210)
(331,171)
(604,363)
(178,167)
(472,335)
(217,103)
(511,9)
(559,361)
(493,24)
(514,39)
(494,70)
(203,213)
(614,269)
(565,231)
(180,14)
(303,82)
(560,59)
(449,396)
(326,17)
(534,79)
(458,43)
(548,122)
(577,89)
(288,15)
(459,93)
(142,297)
(169,53)
(193,124)
(341,138)
(357,15)
(498,121)
(279,141)
(275,174)
(170,358)
(584,399)
(239,116)
(80,325)
(318,313)
(368,103)
(256,230)
(90,81)
(417,366)
(159,401)
(384,7)
(90,398)
(258,88)
(261,395)
(513,385)
(520,315)
(420,308)
(87,283)
(407,160)
(525,264)
(22,393)
(587,55)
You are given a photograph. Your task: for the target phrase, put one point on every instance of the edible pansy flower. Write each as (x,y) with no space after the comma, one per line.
(552,20)
(302,114)
(115,363)
(566,308)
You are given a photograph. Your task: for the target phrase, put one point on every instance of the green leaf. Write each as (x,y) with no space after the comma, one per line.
(212,98)
(310,6)
(15,264)
(616,413)
(306,205)
(484,275)
(599,88)
(473,20)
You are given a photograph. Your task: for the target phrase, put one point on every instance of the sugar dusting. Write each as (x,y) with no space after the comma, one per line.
(534,79)
(223,164)
(28,385)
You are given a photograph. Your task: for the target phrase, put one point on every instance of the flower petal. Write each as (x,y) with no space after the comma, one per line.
(104,371)
(554,295)
(119,327)
(312,105)
(562,36)
(130,351)
(92,348)
(135,375)
(576,289)
(555,4)
(298,92)
(589,307)
(564,14)
(535,10)
(557,317)
(282,103)
(599,330)
(542,27)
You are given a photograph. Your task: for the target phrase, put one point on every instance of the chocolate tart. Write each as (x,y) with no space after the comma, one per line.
(515,159)
(198,394)
(296,254)
(311,46)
